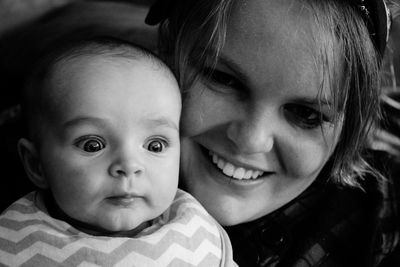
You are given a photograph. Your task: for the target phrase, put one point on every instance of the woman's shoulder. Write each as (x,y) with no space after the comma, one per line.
(325,224)
(365,219)
(388,216)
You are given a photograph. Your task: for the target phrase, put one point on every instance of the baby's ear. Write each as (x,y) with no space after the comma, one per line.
(30,159)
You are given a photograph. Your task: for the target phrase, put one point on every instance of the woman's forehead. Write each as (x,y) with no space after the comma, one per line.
(280,41)
(260,25)
(265,12)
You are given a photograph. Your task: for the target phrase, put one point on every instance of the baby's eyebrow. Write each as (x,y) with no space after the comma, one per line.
(99,122)
(162,121)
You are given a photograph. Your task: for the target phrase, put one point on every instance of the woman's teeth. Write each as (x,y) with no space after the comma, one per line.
(232,171)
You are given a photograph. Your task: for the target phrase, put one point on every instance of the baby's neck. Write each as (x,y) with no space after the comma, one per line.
(56,212)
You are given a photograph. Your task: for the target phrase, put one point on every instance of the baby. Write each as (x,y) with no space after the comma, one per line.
(102,118)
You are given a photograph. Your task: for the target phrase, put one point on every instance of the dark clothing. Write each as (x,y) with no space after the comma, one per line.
(326,225)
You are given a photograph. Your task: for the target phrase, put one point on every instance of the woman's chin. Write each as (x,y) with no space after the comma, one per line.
(228,218)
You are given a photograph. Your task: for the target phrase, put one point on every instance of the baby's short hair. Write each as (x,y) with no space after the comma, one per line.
(36,86)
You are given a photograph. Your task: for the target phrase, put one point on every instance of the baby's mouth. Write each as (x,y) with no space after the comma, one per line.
(123,200)
(232,171)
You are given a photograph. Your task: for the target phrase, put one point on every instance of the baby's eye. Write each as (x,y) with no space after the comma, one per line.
(156,146)
(305,117)
(91,144)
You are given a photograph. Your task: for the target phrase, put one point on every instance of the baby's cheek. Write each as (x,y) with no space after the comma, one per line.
(75,184)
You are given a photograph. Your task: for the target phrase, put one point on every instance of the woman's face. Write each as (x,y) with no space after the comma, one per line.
(254,135)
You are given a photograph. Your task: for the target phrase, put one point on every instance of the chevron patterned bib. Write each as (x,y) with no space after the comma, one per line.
(184,235)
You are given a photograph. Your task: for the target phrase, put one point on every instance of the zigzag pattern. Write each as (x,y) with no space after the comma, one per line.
(184,236)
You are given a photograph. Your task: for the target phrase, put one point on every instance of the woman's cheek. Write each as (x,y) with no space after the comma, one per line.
(196,107)
(191,118)
(206,110)
(308,155)
(308,161)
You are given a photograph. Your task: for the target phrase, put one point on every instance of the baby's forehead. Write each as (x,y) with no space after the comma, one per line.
(53,81)
(86,70)
(133,59)
(68,67)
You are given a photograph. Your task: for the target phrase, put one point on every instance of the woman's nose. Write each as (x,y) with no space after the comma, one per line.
(252,134)
(126,165)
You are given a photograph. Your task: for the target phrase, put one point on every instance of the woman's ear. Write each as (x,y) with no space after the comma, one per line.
(30,159)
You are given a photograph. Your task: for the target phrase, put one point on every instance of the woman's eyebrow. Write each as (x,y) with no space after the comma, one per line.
(233,67)
(314,101)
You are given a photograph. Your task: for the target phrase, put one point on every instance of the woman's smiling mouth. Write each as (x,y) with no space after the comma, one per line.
(232,171)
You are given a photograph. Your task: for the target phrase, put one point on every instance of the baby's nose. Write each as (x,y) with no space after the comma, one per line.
(126,165)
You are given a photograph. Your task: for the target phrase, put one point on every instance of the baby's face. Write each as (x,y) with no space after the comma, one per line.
(110,147)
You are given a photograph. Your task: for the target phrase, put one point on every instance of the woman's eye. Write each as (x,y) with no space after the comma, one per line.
(222,81)
(156,146)
(306,117)
(91,144)
(223,78)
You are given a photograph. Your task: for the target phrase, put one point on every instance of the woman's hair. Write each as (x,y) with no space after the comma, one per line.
(193,34)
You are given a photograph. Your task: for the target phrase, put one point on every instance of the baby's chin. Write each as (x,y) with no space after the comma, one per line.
(122,223)
(124,228)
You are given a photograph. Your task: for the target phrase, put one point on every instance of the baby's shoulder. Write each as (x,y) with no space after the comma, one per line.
(23,207)
(185,207)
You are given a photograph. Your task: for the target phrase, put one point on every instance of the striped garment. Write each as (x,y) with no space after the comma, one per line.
(184,235)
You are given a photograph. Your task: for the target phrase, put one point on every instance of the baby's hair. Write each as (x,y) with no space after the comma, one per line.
(193,33)
(63,51)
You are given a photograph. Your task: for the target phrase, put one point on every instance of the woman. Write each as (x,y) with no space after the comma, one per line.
(278,100)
